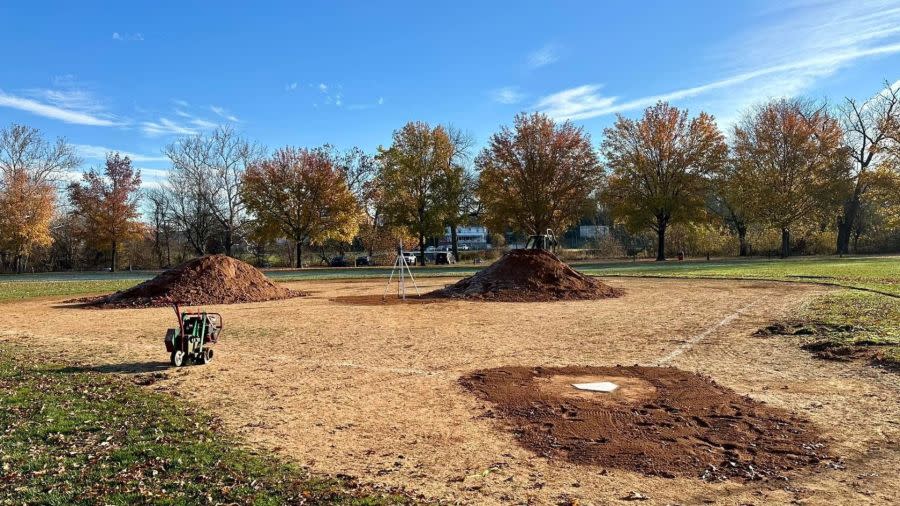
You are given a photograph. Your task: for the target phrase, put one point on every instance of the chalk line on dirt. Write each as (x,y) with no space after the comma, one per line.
(690,342)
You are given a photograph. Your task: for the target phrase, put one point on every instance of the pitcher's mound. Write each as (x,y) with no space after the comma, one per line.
(528,276)
(658,421)
(212,279)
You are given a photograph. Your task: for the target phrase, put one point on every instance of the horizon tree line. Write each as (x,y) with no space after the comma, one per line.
(787,165)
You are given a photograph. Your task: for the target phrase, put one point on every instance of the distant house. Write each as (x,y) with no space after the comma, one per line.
(476,237)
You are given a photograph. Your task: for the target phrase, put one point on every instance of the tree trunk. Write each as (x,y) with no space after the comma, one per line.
(112,260)
(422,250)
(454,241)
(846,223)
(299,262)
(228,241)
(661,240)
(742,240)
(785,243)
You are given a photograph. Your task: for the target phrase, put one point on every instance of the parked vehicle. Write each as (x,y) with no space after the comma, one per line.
(410,257)
(444,258)
(363,261)
(339,262)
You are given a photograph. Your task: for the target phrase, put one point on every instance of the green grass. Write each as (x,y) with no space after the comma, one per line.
(77,437)
(20,290)
(850,324)
(878,273)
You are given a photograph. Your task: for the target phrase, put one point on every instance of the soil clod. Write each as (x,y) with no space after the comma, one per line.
(528,276)
(212,279)
(661,422)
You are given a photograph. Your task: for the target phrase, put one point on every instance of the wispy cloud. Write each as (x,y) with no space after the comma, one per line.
(165,126)
(223,113)
(543,56)
(796,67)
(137,36)
(190,123)
(290,86)
(90,152)
(154,173)
(62,106)
(507,95)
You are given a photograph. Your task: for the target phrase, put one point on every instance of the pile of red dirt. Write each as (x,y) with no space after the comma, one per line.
(524,275)
(659,422)
(212,279)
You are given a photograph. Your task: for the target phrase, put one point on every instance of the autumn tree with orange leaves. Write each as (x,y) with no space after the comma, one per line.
(537,175)
(303,195)
(659,166)
(30,168)
(107,204)
(789,156)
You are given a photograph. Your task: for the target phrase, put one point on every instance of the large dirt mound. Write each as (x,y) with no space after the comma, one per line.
(528,276)
(212,279)
(660,421)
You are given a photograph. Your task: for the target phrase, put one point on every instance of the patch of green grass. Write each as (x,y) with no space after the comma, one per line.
(20,290)
(874,273)
(76,437)
(848,324)
(879,273)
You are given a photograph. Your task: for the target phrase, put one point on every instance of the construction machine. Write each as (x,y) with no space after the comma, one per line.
(545,241)
(194,337)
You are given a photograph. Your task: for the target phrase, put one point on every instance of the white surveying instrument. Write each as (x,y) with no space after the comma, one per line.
(401,269)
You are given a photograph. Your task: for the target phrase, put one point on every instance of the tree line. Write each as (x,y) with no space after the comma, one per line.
(788,165)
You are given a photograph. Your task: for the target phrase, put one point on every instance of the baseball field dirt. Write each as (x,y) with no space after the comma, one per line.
(374,390)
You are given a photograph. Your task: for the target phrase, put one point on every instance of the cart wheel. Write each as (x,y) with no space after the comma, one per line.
(177,358)
(207,356)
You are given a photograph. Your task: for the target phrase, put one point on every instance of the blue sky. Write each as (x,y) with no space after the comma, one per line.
(133,76)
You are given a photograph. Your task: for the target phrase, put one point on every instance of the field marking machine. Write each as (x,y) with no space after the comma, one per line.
(194,337)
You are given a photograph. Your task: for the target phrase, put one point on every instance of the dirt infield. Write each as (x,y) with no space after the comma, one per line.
(523,275)
(212,279)
(660,421)
(373,391)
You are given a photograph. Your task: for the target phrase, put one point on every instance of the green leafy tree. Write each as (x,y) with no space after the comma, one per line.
(659,166)
(413,177)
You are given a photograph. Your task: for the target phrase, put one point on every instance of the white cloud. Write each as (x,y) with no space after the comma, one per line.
(222,112)
(203,123)
(507,95)
(137,36)
(323,87)
(182,103)
(90,152)
(165,126)
(154,173)
(290,87)
(543,56)
(380,100)
(801,44)
(60,110)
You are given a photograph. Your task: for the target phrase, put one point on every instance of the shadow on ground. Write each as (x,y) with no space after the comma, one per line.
(123,368)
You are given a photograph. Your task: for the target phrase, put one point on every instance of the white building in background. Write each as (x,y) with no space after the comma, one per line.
(473,236)
(592,231)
